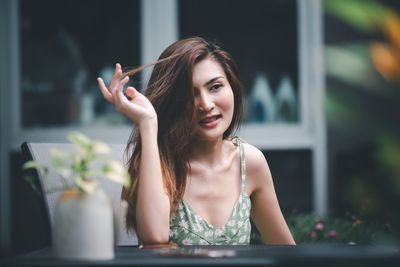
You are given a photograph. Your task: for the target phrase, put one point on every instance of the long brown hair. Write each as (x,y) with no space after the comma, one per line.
(170,90)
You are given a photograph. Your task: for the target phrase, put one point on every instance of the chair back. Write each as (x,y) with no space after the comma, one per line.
(40,152)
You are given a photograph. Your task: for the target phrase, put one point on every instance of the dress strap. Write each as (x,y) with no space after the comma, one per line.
(239,142)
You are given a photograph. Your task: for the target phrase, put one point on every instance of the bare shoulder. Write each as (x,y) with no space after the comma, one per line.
(257,170)
(254,157)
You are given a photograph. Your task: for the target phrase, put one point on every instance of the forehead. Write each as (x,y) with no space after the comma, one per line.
(206,70)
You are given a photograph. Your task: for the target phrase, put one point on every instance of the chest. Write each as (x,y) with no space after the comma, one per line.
(213,193)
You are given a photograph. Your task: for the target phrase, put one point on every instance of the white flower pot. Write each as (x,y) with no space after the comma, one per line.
(83,226)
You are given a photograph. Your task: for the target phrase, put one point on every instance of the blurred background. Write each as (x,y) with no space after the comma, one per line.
(321,82)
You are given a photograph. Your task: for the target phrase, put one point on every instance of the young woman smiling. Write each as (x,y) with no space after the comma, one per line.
(194,183)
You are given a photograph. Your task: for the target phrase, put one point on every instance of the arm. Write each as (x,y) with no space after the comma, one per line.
(265,210)
(153,205)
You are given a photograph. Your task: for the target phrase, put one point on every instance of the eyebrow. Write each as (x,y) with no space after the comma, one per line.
(212,80)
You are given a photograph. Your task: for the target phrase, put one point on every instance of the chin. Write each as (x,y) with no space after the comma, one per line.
(210,135)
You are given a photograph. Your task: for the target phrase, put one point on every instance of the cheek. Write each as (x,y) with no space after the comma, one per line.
(229,100)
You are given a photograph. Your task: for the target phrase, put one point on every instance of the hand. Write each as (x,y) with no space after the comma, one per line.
(139,109)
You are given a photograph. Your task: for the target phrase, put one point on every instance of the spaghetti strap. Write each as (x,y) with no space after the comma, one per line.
(239,142)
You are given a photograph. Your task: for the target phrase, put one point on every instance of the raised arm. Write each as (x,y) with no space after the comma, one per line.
(153,206)
(265,210)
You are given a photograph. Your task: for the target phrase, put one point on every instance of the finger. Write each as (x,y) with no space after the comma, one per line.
(116,77)
(131,92)
(119,92)
(117,66)
(124,81)
(104,90)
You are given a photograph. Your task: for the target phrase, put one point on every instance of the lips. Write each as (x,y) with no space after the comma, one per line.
(210,121)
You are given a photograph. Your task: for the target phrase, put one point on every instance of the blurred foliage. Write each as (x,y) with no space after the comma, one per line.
(308,228)
(364,98)
(389,155)
(372,67)
(386,56)
(364,15)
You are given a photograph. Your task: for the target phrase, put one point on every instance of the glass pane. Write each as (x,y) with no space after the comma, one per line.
(65,46)
(262,38)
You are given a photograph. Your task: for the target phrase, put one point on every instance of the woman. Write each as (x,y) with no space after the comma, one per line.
(191,182)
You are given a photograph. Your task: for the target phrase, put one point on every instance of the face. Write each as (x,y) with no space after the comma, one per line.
(213,100)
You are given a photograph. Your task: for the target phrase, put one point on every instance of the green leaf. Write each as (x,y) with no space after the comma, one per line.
(78,165)
(64,172)
(94,173)
(364,15)
(33,165)
(82,142)
(78,139)
(29,180)
(100,148)
(87,186)
(116,172)
(58,158)
(76,162)
(357,58)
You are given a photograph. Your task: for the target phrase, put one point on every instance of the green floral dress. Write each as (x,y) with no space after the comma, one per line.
(189,228)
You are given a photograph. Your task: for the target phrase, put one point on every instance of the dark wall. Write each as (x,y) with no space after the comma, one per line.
(30,226)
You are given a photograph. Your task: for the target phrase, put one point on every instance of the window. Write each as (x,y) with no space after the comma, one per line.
(64,47)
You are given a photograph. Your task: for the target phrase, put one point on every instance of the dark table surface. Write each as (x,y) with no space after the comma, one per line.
(255,255)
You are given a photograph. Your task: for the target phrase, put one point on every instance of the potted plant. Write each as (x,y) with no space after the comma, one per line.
(83,225)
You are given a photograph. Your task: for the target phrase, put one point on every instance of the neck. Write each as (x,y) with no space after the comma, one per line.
(206,151)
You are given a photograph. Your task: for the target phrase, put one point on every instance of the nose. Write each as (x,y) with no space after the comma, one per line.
(204,102)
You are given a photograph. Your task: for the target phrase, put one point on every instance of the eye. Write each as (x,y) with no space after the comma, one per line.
(215,87)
